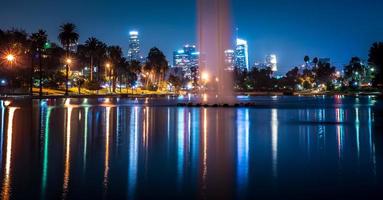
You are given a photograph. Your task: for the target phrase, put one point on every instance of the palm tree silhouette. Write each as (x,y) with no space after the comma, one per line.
(38,41)
(68,36)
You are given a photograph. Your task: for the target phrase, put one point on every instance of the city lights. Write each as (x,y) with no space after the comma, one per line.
(10,58)
(205,76)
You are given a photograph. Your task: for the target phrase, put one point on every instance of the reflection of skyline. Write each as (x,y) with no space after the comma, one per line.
(67,151)
(6,188)
(180,144)
(339,114)
(46,113)
(274,141)
(107,139)
(133,152)
(2,130)
(197,146)
(243,128)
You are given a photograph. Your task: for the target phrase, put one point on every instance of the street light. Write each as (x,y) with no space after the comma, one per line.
(68,61)
(205,76)
(108,66)
(10,58)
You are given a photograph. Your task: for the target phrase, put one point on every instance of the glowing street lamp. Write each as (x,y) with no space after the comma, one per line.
(108,66)
(10,58)
(205,76)
(68,61)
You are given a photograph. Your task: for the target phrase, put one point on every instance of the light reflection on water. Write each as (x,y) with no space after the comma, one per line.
(138,151)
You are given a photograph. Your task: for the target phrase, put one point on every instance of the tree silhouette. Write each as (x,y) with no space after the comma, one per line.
(68,36)
(156,64)
(376,60)
(38,41)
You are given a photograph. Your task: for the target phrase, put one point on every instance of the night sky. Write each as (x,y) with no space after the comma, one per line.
(291,29)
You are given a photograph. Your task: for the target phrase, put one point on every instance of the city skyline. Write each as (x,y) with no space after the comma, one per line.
(270,27)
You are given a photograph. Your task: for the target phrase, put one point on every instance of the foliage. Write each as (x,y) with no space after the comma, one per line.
(175,82)
(156,66)
(376,60)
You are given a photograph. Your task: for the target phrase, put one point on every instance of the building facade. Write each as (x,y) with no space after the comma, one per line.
(242,54)
(229,59)
(134,46)
(271,62)
(187,59)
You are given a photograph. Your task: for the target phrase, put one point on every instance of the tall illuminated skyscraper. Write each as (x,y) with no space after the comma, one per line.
(134,46)
(187,59)
(271,61)
(229,59)
(242,54)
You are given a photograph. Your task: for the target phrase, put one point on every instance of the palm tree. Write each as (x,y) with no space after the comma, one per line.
(133,69)
(315,62)
(116,60)
(38,41)
(68,36)
(376,60)
(101,55)
(157,63)
(91,48)
(307,60)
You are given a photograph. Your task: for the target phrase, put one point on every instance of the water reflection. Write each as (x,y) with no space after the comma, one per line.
(140,151)
(180,144)
(274,141)
(107,139)
(243,148)
(133,152)
(6,188)
(45,114)
(67,163)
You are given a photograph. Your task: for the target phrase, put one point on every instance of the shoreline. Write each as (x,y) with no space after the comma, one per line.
(141,96)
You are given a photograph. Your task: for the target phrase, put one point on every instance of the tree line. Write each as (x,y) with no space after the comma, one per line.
(40,63)
(317,74)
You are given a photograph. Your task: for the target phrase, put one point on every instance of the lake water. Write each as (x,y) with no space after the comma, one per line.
(284,147)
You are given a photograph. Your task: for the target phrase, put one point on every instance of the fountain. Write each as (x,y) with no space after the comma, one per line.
(214,38)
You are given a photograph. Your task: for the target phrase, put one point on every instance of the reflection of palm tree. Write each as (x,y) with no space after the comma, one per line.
(38,41)
(68,36)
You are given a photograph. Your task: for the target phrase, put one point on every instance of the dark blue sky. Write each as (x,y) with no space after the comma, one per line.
(337,29)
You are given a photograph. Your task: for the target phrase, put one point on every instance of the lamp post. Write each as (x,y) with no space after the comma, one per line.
(10,58)
(68,61)
(205,80)
(108,66)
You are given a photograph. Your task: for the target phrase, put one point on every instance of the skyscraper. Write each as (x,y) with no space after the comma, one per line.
(134,46)
(187,59)
(229,59)
(271,61)
(242,54)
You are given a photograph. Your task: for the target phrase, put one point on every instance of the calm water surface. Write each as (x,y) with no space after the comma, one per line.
(285,147)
